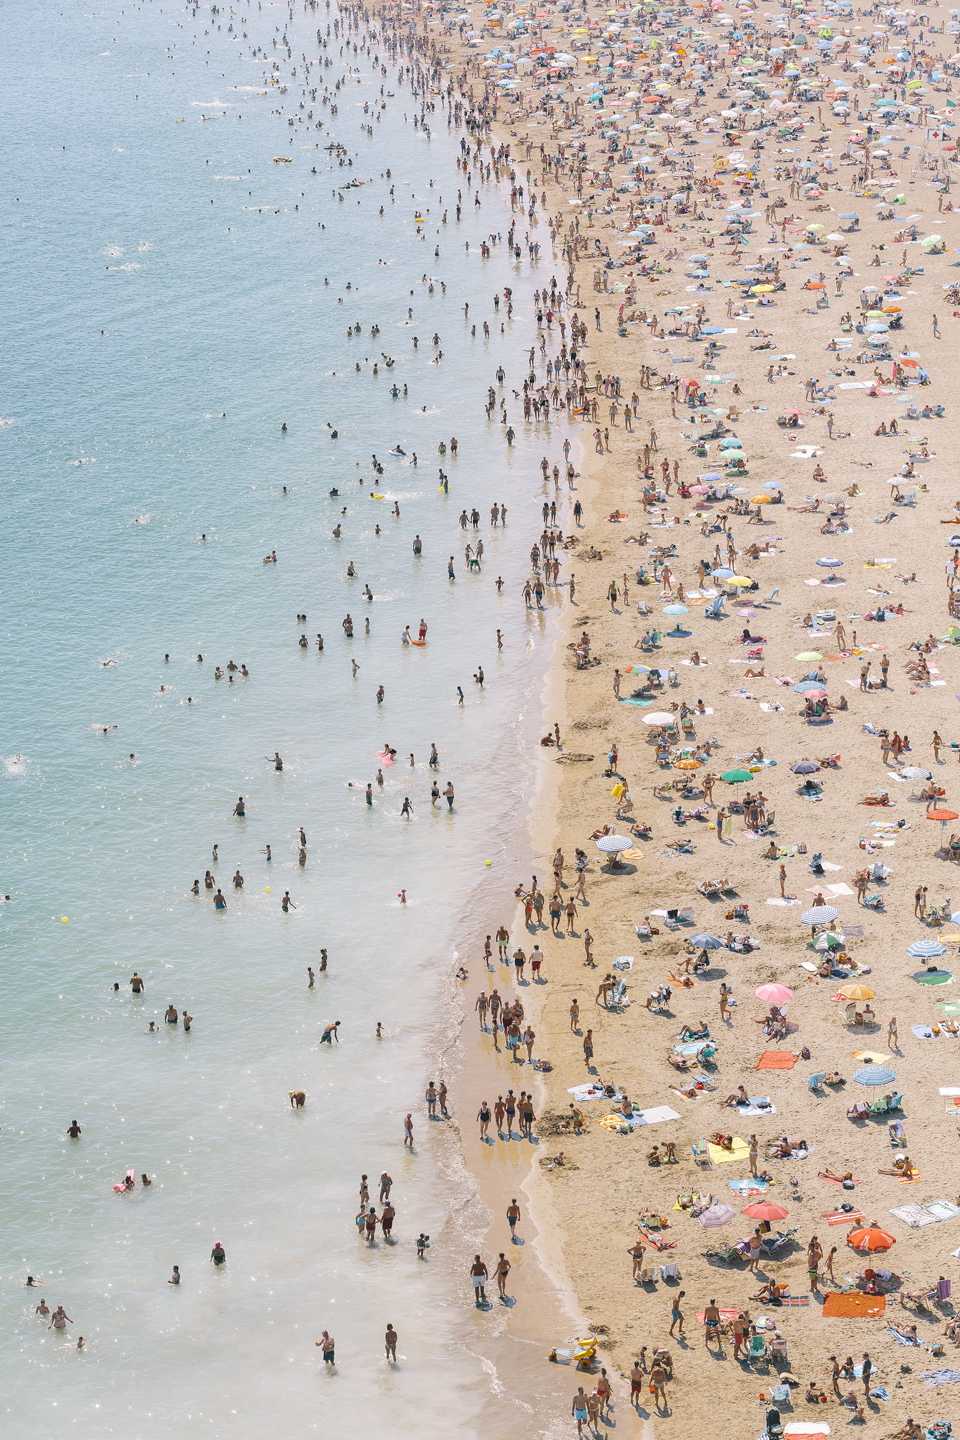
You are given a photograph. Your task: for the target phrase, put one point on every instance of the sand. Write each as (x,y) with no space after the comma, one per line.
(590,1209)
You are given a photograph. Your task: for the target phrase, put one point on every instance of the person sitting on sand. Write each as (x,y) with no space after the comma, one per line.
(769,1294)
(653,1156)
(725,1142)
(739,1097)
(835,1079)
(909,1431)
(902,1167)
(700,1031)
(780,1149)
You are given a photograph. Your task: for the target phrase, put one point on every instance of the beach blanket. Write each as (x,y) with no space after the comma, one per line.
(751,1186)
(776,1060)
(830,1180)
(724,1315)
(758,1105)
(854,1306)
(940,1377)
(740,1151)
(795,1299)
(943,1209)
(914,1215)
(901,1339)
(582,1093)
(922,1032)
(841,1218)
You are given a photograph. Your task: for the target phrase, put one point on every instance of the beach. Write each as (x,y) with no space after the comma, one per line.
(609,308)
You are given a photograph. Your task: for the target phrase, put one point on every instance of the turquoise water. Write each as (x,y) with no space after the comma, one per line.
(155,344)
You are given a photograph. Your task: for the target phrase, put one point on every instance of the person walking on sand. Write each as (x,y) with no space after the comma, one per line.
(502,1271)
(579,1409)
(408,1131)
(676,1314)
(814,1256)
(711,1326)
(478,1276)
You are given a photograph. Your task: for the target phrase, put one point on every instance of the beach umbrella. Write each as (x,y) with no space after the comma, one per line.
(739,581)
(805,767)
(761,499)
(942,815)
(675,609)
(765,1210)
(868,1240)
(774,994)
(638,670)
(856,991)
(874,1075)
(819,915)
(829,562)
(659,717)
(736,777)
(815,693)
(771,485)
(687,765)
(809,655)
(711,478)
(717,1215)
(707,942)
(926,949)
(722,573)
(611,844)
(748,613)
(829,940)
(915,772)
(804,686)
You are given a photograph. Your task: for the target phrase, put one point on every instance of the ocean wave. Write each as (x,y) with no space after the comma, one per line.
(114,251)
(228,177)
(213,104)
(131,265)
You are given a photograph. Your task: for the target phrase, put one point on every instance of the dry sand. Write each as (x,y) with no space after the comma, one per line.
(591,1207)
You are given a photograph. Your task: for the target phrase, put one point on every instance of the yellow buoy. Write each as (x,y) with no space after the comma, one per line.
(489,862)
(268,889)
(64,919)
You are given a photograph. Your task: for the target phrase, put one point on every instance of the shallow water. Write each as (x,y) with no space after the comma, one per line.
(205,309)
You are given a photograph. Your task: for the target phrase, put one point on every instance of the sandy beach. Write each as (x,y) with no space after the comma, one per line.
(795,274)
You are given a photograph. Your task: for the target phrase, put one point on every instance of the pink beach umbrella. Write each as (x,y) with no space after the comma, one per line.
(774,994)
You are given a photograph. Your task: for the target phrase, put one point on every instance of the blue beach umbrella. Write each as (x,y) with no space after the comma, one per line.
(707,942)
(874,1075)
(926,949)
(829,562)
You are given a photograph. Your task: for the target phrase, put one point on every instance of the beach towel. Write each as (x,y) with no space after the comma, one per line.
(922,1032)
(582,1093)
(753,1186)
(854,1306)
(839,1217)
(901,1339)
(776,1060)
(880,1393)
(740,1151)
(944,1209)
(940,1377)
(914,1215)
(795,1299)
(724,1315)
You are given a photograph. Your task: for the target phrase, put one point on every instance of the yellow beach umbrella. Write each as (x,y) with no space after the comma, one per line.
(761,290)
(760,499)
(857,992)
(739,581)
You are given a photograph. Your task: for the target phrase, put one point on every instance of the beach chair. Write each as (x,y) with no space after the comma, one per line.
(769,599)
(670,1271)
(780,1394)
(701,1154)
(896,1102)
(686,917)
(857,1112)
(714,610)
(728,1254)
(769,823)
(756,1350)
(815,1082)
(643,932)
(897,1137)
(648,1275)
(880,1107)
(670,923)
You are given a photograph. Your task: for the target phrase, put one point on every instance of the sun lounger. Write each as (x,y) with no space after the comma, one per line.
(670,1271)
(701,1154)
(858,1111)
(815,1082)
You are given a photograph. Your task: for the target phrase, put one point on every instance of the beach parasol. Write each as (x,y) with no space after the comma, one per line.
(674,609)
(856,991)
(867,1240)
(687,765)
(707,942)
(717,1215)
(819,915)
(774,994)
(765,1210)
(942,815)
(638,670)
(926,949)
(829,562)
(659,717)
(809,655)
(736,777)
(748,613)
(874,1075)
(915,772)
(829,940)
(805,767)
(739,581)
(611,844)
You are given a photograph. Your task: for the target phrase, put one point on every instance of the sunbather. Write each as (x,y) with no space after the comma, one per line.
(901,1167)
(846,1179)
(740,1097)
(910,1431)
(909,1332)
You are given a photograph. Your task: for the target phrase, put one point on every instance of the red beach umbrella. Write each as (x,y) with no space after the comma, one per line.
(766,1210)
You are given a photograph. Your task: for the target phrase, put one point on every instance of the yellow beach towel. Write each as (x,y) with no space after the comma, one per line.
(740,1151)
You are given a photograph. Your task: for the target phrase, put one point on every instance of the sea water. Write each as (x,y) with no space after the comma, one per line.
(155,343)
